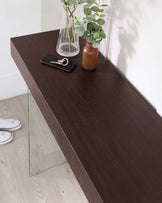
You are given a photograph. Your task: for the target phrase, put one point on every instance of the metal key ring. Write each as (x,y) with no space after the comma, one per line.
(63,62)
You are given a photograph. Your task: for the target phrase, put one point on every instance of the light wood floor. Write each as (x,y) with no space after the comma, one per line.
(56,185)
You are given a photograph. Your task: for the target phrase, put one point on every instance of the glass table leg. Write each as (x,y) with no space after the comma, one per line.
(44,151)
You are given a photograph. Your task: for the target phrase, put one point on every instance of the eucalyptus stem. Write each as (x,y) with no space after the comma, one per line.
(73,33)
(67,31)
(69,15)
(67,28)
(71,12)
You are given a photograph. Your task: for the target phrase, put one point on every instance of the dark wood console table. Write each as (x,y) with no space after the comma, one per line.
(110,135)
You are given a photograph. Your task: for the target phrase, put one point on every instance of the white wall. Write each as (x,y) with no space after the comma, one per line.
(17,17)
(51,14)
(134,45)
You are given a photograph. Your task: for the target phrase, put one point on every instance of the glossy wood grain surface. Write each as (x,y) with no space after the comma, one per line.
(111,137)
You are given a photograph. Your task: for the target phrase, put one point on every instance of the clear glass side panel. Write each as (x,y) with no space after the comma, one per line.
(44,151)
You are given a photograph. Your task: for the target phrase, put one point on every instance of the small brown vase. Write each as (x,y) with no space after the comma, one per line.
(89,57)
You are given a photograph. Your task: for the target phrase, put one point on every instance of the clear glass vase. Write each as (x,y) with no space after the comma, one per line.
(68,41)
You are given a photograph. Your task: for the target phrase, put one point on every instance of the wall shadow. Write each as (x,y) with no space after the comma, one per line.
(126,19)
(123,18)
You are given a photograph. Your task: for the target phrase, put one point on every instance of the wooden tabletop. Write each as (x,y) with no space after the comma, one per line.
(110,135)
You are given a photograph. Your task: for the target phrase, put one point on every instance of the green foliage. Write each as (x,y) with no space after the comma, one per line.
(72,2)
(100,21)
(80,31)
(90,26)
(87,11)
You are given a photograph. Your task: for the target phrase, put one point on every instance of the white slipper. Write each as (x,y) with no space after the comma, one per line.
(5,137)
(13,129)
(9,124)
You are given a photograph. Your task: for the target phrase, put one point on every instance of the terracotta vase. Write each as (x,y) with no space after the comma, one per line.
(89,57)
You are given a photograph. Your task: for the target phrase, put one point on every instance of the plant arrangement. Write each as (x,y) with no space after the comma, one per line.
(70,7)
(90,26)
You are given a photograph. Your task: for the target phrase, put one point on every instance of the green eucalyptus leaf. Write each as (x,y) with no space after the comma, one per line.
(98,40)
(95,25)
(96,35)
(84,24)
(86,33)
(71,2)
(96,14)
(101,21)
(101,10)
(90,39)
(96,44)
(102,15)
(92,26)
(93,17)
(89,19)
(79,31)
(90,1)
(103,36)
(81,1)
(87,11)
(95,8)
(77,22)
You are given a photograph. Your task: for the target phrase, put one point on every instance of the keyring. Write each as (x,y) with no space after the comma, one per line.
(63,62)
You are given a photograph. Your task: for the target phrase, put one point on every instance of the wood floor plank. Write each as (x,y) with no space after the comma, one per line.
(56,185)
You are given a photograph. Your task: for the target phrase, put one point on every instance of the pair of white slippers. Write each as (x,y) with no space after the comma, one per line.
(7,126)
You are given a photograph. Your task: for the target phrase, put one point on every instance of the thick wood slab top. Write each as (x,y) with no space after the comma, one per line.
(110,135)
